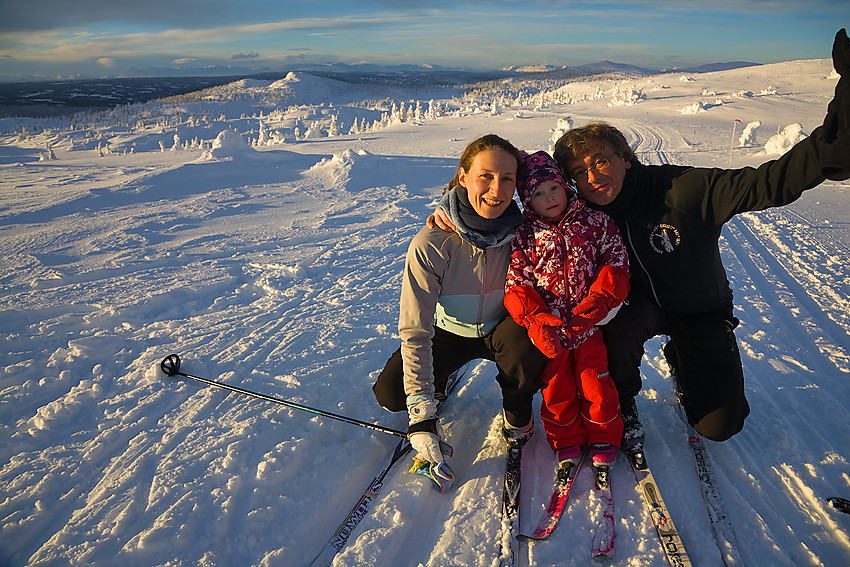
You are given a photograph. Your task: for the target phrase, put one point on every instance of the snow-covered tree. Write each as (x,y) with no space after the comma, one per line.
(433,110)
(333,127)
(355,129)
(564,125)
(626,96)
(263,139)
(748,136)
(315,130)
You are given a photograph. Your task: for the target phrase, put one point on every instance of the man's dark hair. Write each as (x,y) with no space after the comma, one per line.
(581,142)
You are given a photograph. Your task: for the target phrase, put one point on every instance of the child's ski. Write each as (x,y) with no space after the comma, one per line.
(603,539)
(566,476)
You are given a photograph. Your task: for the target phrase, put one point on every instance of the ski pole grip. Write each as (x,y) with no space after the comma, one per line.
(170,365)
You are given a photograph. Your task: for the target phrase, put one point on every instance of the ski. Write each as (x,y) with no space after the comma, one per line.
(603,538)
(362,507)
(724,534)
(510,508)
(557,501)
(672,544)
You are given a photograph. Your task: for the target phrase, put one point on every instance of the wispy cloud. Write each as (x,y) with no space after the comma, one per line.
(481,33)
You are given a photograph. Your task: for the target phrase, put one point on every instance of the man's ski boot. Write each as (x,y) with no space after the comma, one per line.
(633,434)
(516,437)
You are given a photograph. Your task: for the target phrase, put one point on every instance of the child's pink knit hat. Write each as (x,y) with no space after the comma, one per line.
(535,169)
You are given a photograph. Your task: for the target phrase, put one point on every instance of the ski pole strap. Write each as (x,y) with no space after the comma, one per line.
(441,475)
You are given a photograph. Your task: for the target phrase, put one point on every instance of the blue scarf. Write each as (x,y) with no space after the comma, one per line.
(474,228)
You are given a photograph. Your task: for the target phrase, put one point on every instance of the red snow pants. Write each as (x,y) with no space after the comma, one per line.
(580,402)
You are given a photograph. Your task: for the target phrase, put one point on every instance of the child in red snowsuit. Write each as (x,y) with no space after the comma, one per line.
(568,274)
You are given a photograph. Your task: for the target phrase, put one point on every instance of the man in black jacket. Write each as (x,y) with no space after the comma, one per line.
(670,218)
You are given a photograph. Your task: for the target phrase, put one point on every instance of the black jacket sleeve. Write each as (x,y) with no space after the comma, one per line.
(723,193)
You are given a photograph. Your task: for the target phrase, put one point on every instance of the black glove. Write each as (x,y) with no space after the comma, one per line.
(836,124)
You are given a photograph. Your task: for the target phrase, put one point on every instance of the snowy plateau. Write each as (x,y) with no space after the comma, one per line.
(259,229)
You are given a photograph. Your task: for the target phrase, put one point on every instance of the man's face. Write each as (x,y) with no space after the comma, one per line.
(599,176)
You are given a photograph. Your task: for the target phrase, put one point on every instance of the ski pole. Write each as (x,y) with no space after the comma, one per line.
(171,366)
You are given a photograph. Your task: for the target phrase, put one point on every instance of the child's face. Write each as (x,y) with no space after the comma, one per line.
(549,199)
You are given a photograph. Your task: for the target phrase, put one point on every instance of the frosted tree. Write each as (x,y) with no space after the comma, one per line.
(785,140)
(49,154)
(748,136)
(395,114)
(355,128)
(176,145)
(315,130)
(539,102)
(263,139)
(333,127)
(626,96)
(433,111)
(564,125)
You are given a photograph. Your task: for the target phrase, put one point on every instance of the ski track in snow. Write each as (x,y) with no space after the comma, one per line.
(279,271)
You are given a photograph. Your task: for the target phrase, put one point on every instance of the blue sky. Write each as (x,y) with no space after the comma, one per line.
(106,38)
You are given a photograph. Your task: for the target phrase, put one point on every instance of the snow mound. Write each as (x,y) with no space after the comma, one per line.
(285,82)
(229,145)
(782,142)
(694,108)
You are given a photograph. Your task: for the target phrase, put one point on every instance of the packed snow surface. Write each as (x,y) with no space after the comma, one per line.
(263,241)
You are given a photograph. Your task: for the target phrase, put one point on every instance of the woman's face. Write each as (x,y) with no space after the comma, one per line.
(490,182)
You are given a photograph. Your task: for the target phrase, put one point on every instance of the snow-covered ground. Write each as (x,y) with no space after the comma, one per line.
(273,263)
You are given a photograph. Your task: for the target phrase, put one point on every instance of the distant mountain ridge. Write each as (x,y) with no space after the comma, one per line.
(61,97)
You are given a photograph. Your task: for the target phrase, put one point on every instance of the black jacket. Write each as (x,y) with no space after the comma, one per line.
(671,216)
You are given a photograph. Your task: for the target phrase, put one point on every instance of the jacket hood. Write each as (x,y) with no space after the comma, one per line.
(535,169)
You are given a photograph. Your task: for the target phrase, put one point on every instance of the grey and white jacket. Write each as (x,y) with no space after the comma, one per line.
(452,284)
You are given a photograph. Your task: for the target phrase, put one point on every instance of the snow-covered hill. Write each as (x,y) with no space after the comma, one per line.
(270,259)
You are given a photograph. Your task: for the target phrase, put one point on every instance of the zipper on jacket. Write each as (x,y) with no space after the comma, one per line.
(482,293)
(566,267)
(648,277)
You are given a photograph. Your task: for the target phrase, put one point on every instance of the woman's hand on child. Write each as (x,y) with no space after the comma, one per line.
(441,220)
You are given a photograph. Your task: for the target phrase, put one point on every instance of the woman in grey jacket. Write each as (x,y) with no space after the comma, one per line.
(452,304)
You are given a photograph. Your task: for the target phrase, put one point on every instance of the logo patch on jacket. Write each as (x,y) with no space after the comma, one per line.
(664,238)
